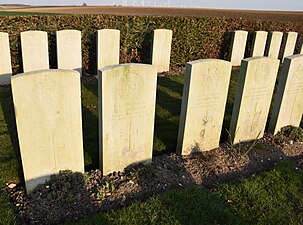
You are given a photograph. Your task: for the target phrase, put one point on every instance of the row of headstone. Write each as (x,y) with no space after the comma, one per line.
(48,111)
(34,47)
(5,59)
(259,45)
(205,92)
(48,116)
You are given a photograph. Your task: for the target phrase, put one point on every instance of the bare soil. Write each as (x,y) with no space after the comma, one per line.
(294,16)
(71,196)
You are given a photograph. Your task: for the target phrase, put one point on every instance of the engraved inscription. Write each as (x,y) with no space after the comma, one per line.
(211,77)
(128,136)
(204,101)
(256,118)
(258,93)
(202,123)
(129,84)
(262,72)
(45,91)
(135,110)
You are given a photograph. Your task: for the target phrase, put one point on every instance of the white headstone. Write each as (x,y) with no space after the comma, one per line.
(290,44)
(254,93)
(288,104)
(127,95)
(48,116)
(275,40)
(238,47)
(259,43)
(34,47)
(161,49)
(203,104)
(69,55)
(301,47)
(5,59)
(108,47)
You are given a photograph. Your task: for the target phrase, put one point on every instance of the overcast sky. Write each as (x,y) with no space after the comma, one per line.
(227,4)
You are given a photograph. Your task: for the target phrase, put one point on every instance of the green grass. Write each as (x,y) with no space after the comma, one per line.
(275,197)
(184,206)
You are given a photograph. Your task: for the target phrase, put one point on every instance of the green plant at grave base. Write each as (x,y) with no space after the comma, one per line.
(295,133)
(255,142)
(260,146)
(238,147)
(105,188)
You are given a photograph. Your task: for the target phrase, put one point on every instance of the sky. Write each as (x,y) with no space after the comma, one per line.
(293,5)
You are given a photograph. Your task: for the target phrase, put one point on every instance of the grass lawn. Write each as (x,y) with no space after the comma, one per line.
(173,208)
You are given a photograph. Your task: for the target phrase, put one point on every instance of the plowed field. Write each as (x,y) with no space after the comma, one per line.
(156,11)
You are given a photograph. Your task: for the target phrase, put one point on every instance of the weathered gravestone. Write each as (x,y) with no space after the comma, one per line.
(108,47)
(275,39)
(290,44)
(48,116)
(161,49)
(259,43)
(127,95)
(203,104)
(238,47)
(254,93)
(5,59)
(288,104)
(34,47)
(69,55)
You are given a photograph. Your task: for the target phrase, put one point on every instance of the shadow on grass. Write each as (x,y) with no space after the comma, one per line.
(90,139)
(229,104)
(6,101)
(168,107)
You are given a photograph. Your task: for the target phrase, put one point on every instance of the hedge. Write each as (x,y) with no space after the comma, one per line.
(193,38)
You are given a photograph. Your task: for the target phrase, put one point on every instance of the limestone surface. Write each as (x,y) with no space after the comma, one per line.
(34,47)
(161,49)
(108,47)
(288,104)
(127,96)
(275,40)
(254,93)
(259,43)
(48,115)
(69,55)
(290,44)
(203,104)
(5,59)
(238,47)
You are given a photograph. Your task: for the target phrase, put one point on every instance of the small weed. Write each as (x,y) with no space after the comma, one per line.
(238,148)
(295,133)
(106,187)
(260,146)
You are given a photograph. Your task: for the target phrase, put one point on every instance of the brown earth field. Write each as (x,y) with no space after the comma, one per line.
(295,16)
